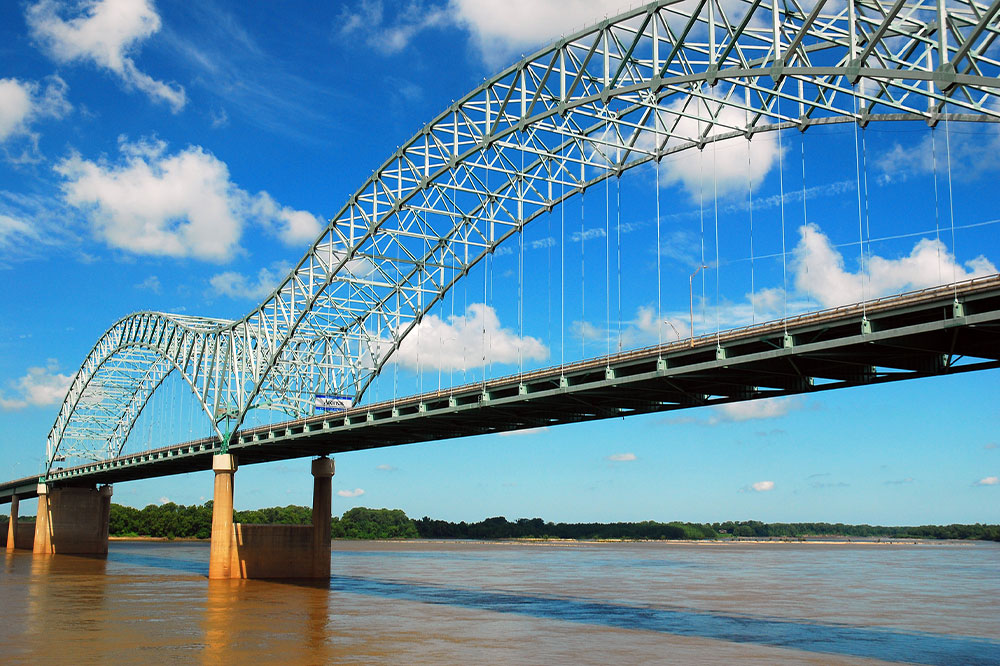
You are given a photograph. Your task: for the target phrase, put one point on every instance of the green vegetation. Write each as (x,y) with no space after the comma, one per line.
(176,521)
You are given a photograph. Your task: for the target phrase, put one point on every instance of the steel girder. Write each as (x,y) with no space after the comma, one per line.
(666,77)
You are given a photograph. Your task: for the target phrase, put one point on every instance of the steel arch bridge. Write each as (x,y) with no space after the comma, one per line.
(670,76)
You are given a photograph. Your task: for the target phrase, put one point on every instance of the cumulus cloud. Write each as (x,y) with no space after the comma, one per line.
(179,204)
(106,33)
(498,31)
(820,269)
(465,341)
(237,285)
(40,386)
(385,468)
(24,102)
(721,167)
(622,457)
(988,481)
(357,492)
(293,227)
(768,408)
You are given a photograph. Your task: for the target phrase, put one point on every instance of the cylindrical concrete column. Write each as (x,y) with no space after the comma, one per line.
(12,525)
(221,555)
(105,518)
(43,534)
(322,471)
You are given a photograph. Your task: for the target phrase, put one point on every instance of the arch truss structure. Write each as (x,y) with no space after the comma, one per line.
(666,77)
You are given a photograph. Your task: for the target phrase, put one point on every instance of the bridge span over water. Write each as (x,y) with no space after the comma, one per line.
(666,79)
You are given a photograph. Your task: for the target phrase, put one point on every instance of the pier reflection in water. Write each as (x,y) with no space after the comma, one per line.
(461,603)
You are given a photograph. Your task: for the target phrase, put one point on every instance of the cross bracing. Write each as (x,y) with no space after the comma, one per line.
(666,77)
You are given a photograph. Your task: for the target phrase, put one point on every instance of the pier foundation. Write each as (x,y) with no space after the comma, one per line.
(270,551)
(20,535)
(72,520)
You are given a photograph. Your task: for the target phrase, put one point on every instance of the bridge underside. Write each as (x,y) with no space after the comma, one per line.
(936,332)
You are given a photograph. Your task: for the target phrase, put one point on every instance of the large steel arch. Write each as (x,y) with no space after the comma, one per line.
(670,76)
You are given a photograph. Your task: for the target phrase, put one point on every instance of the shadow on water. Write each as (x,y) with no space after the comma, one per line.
(152,561)
(884,644)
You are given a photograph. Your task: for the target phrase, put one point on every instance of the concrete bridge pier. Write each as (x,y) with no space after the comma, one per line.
(12,525)
(270,551)
(72,520)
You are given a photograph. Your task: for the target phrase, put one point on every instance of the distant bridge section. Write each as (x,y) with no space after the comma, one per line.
(939,331)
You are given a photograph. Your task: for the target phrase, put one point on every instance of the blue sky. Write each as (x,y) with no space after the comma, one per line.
(180,157)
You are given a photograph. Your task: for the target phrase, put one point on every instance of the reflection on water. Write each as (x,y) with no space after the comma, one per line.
(514,603)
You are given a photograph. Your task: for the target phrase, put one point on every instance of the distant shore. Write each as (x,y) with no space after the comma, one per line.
(821,540)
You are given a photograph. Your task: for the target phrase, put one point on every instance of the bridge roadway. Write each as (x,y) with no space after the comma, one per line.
(942,330)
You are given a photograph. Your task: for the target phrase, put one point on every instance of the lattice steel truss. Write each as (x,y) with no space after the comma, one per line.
(666,77)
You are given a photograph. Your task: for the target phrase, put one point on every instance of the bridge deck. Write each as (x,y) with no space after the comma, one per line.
(936,331)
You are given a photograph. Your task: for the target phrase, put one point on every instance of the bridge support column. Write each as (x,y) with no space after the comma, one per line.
(12,525)
(222,551)
(270,551)
(322,471)
(43,540)
(72,520)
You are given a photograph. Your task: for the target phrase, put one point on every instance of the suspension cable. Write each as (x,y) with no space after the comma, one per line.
(562,256)
(659,247)
(520,263)
(951,206)
(857,171)
(784,256)
(607,239)
(618,227)
(753,291)
(718,266)
(937,203)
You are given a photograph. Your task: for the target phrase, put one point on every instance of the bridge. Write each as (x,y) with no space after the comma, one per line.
(660,81)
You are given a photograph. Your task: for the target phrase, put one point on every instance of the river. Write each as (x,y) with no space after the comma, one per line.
(521,603)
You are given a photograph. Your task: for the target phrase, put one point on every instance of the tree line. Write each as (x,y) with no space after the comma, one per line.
(178,521)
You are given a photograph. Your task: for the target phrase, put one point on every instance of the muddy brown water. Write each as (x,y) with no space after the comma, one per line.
(523,603)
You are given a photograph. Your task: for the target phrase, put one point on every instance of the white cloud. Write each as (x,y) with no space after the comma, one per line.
(181,204)
(759,487)
(647,328)
(988,481)
(237,285)
(820,273)
(767,408)
(972,154)
(152,283)
(622,457)
(41,386)
(13,228)
(587,331)
(385,468)
(164,500)
(293,227)
(499,31)
(357,492)
(721,167)
(465,341)
(107,33)
(589,234)
(24,102)
(15,106)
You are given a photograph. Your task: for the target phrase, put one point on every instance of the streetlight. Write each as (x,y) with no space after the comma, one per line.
(691,293)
